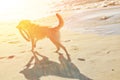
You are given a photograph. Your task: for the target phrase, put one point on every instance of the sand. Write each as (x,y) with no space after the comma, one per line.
(96,57)
(94,54)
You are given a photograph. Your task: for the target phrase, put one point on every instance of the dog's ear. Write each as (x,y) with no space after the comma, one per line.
(24,24)
(17,27)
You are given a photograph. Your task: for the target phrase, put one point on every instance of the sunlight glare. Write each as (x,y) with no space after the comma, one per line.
(21,9)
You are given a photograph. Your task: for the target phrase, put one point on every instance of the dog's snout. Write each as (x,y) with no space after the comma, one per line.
(18,27)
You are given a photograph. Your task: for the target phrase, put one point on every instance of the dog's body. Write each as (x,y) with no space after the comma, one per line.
(35,32)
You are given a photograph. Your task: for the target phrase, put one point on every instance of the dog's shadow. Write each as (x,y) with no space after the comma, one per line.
(45,67)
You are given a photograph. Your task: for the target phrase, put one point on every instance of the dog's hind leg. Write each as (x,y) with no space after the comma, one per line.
(58,45)
(68,56)
(58,48)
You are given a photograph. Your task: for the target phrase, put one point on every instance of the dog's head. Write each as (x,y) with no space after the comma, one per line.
(24,24)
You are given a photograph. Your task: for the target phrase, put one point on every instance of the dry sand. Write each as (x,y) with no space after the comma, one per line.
(94,56)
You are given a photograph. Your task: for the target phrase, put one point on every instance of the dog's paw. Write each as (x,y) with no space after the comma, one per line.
(57,51)
(32,50)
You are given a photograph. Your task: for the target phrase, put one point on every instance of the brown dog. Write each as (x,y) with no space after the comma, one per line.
(36,32)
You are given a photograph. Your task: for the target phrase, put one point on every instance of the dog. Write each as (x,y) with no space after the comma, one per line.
(33,32)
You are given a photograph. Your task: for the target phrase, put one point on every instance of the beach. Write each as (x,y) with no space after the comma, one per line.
(91,35)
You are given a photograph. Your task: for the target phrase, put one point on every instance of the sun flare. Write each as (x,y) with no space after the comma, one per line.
(20,9)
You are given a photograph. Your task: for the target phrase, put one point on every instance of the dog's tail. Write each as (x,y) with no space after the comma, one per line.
(61,22)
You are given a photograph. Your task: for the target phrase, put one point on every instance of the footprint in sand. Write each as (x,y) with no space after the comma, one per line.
(81,59)
(2,57)
(75,48)
(67,40)
(22,51)
(13,42)
(8,57)
(11,34)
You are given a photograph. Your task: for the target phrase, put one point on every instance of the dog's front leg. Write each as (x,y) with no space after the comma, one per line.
(33,44)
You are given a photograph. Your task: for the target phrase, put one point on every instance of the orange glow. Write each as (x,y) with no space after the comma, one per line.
(22,9)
